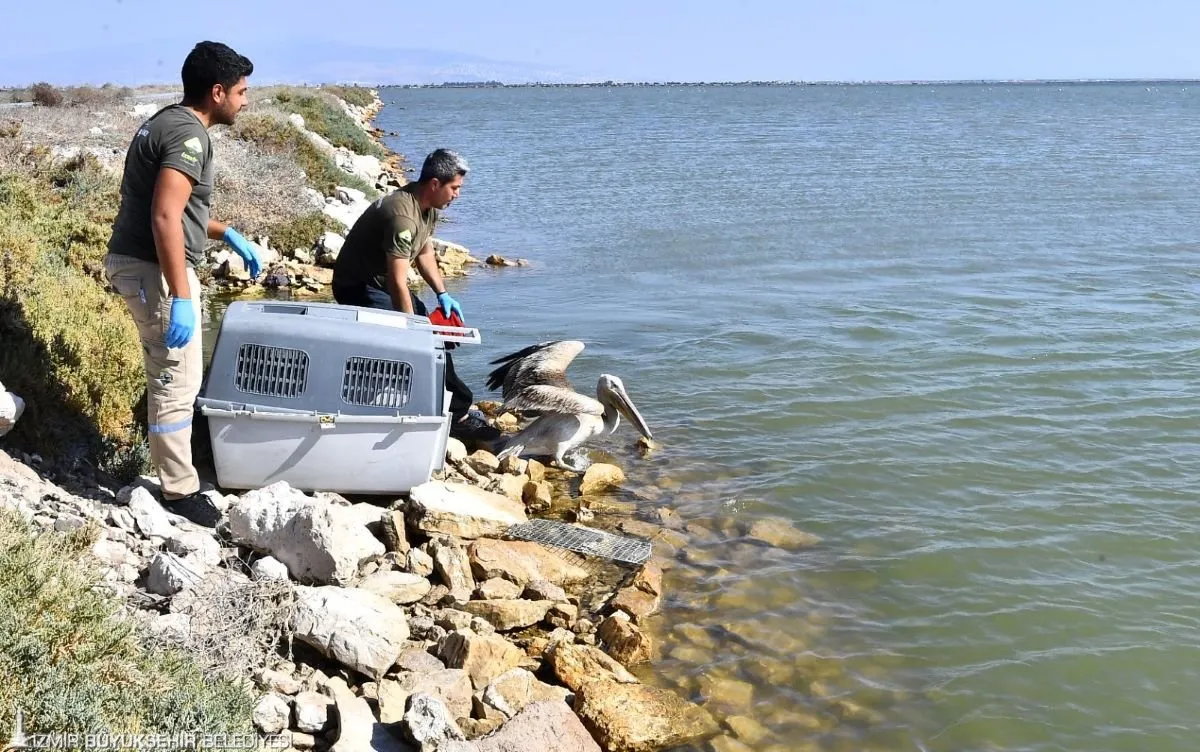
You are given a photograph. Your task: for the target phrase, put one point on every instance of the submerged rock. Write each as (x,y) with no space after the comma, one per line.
(780,533)
(599,477)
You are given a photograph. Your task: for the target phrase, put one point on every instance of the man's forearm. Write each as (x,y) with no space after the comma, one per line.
(172,258)
(427,267)
(216,230)
(401,297)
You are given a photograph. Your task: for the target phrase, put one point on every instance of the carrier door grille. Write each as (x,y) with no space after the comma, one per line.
(376,383)
(273,371)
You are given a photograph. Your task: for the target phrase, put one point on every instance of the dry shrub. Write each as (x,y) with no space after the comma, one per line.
(45,95)
(90,96)
(235,626)
(256,189)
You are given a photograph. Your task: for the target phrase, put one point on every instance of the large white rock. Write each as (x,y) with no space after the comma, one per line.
(150,516)
(11,408)
(544,725)
(461,510)
(350,195)
(357,628)
(346,212)
(170,574)
(319,542)
(428,722)
(196,545)
(269,568)
(364,166)
(401,588)
(271,714)
(357,729)
(314,197)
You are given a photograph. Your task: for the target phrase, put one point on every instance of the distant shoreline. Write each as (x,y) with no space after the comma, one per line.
(793,84)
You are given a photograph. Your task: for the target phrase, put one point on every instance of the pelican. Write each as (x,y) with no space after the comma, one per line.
(534,380)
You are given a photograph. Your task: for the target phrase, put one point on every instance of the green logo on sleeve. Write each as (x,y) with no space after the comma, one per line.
(193,144)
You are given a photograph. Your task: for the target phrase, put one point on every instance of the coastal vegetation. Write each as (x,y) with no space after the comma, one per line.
(73,664)
(70,348)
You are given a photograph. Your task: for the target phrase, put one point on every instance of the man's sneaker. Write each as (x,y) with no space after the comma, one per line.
(198,508)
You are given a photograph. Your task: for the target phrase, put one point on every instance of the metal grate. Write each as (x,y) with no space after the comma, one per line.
(273,371)
(376,383)
(583,540)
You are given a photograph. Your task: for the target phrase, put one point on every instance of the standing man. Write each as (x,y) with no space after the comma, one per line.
(394,233)
(158,239)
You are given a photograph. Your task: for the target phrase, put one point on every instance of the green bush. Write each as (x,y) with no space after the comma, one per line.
(324,116)
(70,348)
(359,96)
(275,135)
(303,231)
(73,664)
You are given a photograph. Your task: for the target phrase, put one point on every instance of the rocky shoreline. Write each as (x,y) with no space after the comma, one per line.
(417,623)
(414,623)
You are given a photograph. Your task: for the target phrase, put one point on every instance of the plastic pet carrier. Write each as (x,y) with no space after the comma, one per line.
(328,397)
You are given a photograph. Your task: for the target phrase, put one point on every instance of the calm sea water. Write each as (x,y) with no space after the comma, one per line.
(952,330)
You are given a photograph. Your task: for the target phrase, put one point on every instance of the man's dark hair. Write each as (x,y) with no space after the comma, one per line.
(209,64)
(444,165)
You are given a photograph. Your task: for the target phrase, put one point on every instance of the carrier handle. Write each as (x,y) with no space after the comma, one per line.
(446,333)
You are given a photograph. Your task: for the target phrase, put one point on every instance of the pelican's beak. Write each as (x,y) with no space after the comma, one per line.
(626,408)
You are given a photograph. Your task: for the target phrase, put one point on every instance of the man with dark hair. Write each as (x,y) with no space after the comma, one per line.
(393,234)
(158,239)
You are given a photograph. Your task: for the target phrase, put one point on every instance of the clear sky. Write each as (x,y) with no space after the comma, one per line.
(669,40)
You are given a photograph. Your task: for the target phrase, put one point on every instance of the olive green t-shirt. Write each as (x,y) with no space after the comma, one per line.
(174,137)
(394,226)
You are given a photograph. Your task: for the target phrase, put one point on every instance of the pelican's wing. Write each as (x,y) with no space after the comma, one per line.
(544,398)
(545,363)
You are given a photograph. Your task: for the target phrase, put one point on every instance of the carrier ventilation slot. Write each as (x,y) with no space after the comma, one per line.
(273,371)
(374,382)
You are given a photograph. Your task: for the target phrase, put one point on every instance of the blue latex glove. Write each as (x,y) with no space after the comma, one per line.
(183,323)
(448,304)
(243,248)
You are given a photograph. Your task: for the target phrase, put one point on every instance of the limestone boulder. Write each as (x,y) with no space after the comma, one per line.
(462,511)
(357,628)
(508,614)
(523,562)
(640,718)
(482,657)
(319,542)
(401,588)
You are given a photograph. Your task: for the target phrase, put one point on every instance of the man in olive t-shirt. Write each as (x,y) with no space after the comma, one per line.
(158,239)
(393,234)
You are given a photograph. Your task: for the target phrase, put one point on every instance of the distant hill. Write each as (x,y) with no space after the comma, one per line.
(293,62)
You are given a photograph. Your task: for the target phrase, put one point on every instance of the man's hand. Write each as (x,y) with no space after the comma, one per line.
(449,305)
(245,249)
(182,324)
